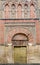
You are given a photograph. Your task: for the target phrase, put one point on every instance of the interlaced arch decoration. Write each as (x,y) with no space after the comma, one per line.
(13,6)
(32,10)
(6,10)
(13,10)
(19,11)
(34,3)
(25,10)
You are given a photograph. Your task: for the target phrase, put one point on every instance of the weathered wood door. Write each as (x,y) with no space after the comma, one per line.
(20,54)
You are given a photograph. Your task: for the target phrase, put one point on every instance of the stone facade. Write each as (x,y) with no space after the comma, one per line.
(19,16)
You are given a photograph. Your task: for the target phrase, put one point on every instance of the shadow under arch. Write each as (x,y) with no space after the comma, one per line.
(32,4)
(6,4)
(26,5)
(13,5)
(20,5)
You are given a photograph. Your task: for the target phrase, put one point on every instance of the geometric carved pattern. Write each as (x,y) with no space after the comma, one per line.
(13,8)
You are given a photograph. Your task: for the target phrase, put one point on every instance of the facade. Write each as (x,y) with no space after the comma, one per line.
(19,16)
(19,26)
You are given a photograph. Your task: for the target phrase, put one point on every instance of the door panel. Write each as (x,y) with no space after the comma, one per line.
(20,54)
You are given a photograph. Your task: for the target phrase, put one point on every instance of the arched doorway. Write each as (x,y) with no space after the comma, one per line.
(19,39)
(19,42)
